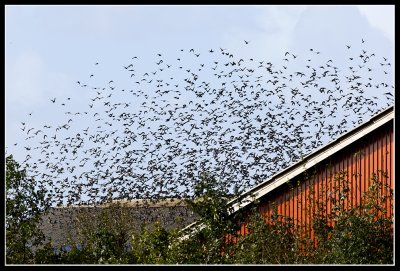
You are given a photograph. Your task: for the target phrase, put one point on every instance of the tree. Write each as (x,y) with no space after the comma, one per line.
(362,234)
(25,203)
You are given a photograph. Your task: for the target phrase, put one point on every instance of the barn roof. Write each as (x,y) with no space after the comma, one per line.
(307,162)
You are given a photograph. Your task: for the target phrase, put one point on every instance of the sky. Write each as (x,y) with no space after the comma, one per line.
(49,48)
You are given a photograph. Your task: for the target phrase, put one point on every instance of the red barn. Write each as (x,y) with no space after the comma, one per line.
(355,156)
(366,150)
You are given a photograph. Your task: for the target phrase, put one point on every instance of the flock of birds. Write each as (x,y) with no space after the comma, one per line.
(240,119)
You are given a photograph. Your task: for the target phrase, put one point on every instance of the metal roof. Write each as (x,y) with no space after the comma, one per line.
(307,162)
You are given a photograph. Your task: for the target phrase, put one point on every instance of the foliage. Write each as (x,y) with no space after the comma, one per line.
(104,234)
(25,203)
(151,245)
(361,234)
(276,242)
(205,245)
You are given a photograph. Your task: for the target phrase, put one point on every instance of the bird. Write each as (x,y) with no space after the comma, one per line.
(246,42)
(227,119)
(53,100)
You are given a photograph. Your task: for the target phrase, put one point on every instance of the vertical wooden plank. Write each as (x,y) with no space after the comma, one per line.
(362,172)
(368,164)
(298,204)
(295,205)
(312,204)
(291,213)
(345,170)
(350,168)
(317,194)
(315,190)
(360,175)
(325,190)
(303,205)
(391,160)
(389,166)
(384,167)
(330,188)
(279,203)
(372,161)
(287,204)
(338,176)
(379,167)
(367,160)
(376,159)
(284,205)
(269,212)
(306,206)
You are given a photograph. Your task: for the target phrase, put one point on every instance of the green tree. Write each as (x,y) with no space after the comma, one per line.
(103,236)
(361,234)
(25,203)
(275,242)
(207,244)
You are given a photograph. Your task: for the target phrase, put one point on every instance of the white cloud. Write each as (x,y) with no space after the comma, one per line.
(381,17)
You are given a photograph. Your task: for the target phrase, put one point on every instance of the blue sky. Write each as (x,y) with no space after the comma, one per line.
(50,48)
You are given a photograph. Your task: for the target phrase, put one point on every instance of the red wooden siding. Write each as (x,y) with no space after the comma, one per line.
(372,153)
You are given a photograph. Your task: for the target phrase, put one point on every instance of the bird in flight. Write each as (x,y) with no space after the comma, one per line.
(348,46)
(235,107)
(53,100)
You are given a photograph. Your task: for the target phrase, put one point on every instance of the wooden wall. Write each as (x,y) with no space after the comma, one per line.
(372,153)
